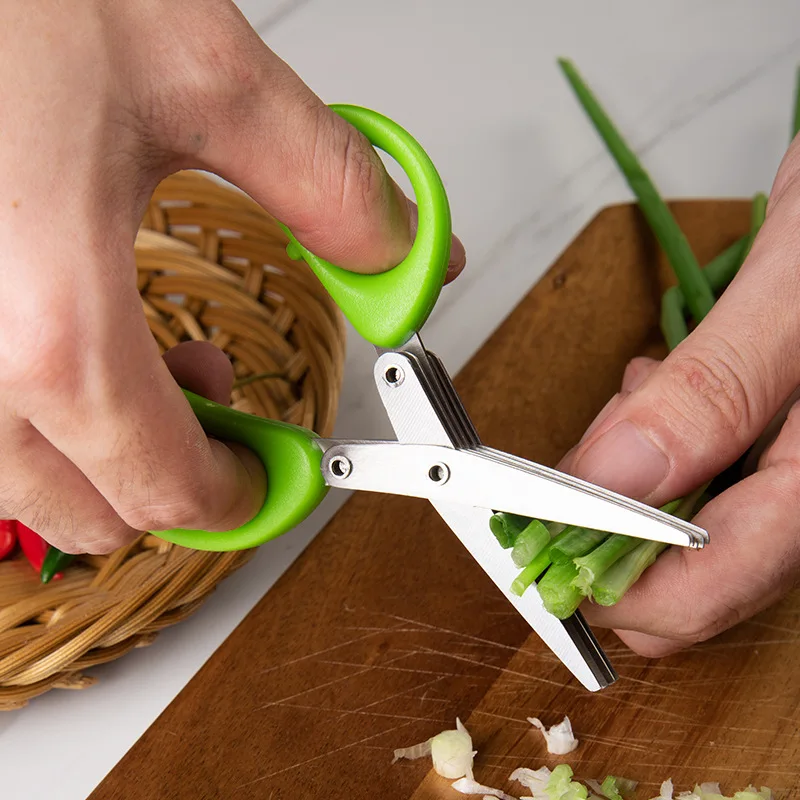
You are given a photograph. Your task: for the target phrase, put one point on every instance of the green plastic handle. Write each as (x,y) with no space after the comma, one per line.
(294,479)
(388,308)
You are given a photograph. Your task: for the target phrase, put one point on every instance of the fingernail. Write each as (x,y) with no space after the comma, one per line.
(626,460)
(458,254)
(458,257)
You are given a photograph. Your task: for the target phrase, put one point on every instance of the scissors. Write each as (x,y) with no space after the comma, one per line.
(438,454)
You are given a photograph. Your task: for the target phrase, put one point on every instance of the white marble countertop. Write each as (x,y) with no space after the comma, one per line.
(702,89)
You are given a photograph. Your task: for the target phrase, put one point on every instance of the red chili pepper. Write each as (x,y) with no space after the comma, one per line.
(34,547)
(8,537)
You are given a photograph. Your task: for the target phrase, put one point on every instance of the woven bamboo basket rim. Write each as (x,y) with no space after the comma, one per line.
(212,266)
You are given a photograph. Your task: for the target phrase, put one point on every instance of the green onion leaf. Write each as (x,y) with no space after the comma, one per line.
(674,243)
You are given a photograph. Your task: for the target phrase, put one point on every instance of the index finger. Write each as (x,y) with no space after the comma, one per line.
(691,596)
(122,420)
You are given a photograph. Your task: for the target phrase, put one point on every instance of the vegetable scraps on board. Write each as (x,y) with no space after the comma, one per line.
(452,754)
(570,564)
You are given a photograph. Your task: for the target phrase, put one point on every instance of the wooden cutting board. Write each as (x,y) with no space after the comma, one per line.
(385,630)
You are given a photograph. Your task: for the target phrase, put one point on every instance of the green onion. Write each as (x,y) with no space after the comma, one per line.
(673,322)
(561,785)
(676,247)
(719,272)
(609,788)
(559,595)
(758,214)
(531,573)
(796,114)
(590,567)
(610,587)
(575,542)
(530,543)
(507,527)
(722,269)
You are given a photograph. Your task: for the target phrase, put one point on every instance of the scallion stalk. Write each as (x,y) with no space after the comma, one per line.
(758,214)
(540,563)
(591,566)
(507,527)
(531,573)
(673,322)
(530,542)
(559,595)
(719,272)
(796,113)
(610,587)
(575,542)
(595,563)
(722,269)
(673,241)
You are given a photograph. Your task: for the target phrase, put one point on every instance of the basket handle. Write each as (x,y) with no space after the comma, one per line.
(388,308)
(292,461)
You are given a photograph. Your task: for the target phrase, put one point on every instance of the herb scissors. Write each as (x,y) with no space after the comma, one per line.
(438,454)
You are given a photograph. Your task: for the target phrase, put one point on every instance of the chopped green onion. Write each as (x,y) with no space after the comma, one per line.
(591,566)
(530,543)
(625,785)
(575,542)
(609,788)
(531,573)
(534,570)
(506,528)
(558,594)
(562,787)
(674,243)
(609,588)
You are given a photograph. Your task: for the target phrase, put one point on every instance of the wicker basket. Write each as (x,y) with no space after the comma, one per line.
(212,266)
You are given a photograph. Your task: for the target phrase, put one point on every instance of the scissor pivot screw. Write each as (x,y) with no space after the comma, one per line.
(394,375)
(341,467)
(439,473)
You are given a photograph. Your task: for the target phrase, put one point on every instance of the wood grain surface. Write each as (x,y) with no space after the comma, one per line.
(385,630)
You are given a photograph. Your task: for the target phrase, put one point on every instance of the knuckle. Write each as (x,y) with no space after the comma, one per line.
(46,358)
(191,507)
(363,179)
(707,387)
(343,161)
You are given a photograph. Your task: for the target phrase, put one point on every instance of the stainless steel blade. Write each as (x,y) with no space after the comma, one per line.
(570,639)
(424,407)
(483,478)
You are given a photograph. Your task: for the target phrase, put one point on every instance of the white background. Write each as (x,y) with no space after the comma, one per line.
(701,88)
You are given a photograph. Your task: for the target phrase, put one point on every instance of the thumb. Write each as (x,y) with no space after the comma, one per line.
(699,410)
(274,138)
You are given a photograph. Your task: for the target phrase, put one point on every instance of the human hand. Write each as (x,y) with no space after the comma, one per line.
(678,423)
(102,100)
